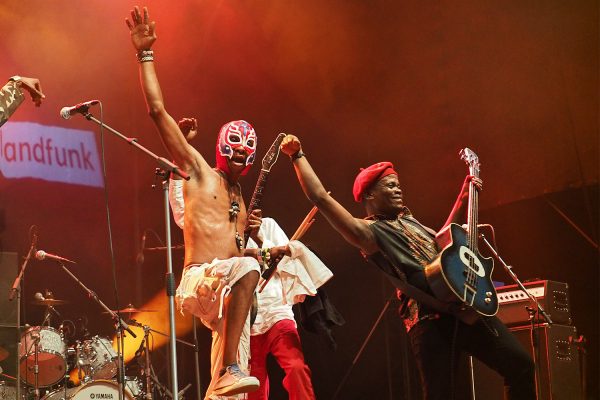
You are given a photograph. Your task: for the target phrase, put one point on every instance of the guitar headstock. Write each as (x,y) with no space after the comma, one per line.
(469,156)
(271,157)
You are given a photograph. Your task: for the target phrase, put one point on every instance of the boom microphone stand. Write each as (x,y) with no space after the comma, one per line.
(120,324)
(532,311)
(16,289)
(514,277)
(170,279)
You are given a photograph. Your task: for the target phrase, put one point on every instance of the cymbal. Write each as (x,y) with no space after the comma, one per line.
(49,302)
(131,309)
(3,353)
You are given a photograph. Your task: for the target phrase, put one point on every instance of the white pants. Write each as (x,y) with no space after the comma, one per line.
(202,292)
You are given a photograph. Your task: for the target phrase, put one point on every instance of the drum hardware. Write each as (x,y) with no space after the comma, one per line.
(120,325)
(151,381)
(145,347)
(49,302)
(130,309)
(16,290)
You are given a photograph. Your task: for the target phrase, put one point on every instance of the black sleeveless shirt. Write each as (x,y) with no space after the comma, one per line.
(406,247)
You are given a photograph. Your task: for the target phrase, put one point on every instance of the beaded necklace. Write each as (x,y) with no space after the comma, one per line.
(234,209)
(422,246)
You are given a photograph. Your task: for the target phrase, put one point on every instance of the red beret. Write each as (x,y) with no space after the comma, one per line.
(367,176)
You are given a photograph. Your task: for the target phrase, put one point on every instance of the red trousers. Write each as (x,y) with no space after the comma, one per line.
(283,341)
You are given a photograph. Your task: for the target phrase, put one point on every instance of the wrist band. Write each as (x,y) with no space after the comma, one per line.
(297,155)
(145,56)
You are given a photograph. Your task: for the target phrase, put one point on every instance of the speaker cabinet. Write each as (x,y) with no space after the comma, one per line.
(557,359)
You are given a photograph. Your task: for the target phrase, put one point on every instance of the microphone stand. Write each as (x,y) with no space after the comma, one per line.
(514,277)
(531,311)
(194,345)
(169,167)
(120,324)
(16,289)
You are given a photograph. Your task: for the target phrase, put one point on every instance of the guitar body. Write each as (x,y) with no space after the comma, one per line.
(460,275)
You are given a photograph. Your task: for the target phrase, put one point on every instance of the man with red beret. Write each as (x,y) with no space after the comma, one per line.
(401,247)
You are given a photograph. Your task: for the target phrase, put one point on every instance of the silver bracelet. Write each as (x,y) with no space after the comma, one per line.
(145,56)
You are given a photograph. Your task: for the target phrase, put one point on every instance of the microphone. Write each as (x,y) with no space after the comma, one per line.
(42,255)
(67,112)
(139,259)
(40,297)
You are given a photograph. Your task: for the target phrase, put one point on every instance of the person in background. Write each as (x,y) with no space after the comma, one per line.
(12,95)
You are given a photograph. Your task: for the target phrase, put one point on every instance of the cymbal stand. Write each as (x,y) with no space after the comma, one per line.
(145,346)
(119,324)
(150,376)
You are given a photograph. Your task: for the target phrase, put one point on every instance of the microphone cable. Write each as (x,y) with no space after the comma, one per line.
(120,336)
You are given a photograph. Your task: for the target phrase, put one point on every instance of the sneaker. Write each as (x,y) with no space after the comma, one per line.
(234,381)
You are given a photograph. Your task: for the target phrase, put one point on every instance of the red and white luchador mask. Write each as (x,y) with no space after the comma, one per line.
(232,135)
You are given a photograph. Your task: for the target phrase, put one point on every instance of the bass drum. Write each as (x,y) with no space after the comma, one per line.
(100,389)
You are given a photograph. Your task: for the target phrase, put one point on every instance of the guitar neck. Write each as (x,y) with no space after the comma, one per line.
(258,191)
(472,217)
(257,196)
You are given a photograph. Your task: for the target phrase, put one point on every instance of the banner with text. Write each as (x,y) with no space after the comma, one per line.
(51,153)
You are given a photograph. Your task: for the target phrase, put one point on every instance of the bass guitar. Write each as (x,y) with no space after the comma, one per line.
(460,274)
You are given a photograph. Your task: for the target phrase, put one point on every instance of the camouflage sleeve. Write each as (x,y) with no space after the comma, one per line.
(11,98)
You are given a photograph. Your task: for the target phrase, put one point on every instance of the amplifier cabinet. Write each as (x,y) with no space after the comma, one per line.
(558,374)
(552,296)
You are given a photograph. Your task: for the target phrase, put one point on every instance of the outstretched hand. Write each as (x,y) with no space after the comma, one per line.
(189,128)
(143,32)
(290,145)
(33,86)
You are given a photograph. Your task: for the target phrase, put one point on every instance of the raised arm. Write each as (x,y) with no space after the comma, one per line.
(12,95)
(143,36)
(355,230)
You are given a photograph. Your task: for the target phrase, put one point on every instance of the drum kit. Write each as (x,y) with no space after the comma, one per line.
(86,368)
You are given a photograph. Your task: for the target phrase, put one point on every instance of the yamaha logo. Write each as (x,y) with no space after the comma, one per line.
(101,396)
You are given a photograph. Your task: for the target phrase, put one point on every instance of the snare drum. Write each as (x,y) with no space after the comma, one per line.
(51,350)
(99,356)
(100,389)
